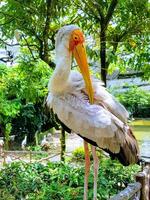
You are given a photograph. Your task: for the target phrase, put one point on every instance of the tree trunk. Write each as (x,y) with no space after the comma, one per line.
(104,22)
(44,45)
(63,144)
(103,54)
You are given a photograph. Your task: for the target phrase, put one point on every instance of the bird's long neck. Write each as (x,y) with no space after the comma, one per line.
(59,79)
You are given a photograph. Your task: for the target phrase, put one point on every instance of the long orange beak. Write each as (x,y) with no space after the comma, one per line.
(79,53)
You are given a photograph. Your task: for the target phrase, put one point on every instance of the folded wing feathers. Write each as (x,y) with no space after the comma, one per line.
(91,121)
(101,95)
(104,123)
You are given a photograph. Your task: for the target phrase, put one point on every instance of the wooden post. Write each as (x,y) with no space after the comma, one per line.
(140,177)
(143,178)
(128,192)
(147,186)
(4,154)
(147,172)
(149,182)
(30,155)
(63,144)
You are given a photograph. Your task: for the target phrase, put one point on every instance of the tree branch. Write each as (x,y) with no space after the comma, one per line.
(29,47)
(90,8)
(110,11)
(127,31)
(45,55)
(99,9)
(8,22)
(48,15)
(4,59)
(11,45)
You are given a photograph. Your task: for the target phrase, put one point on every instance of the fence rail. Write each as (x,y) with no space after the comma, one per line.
(140,190)
(25,156)
(131,192)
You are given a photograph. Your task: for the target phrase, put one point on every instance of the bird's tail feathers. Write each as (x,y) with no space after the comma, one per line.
(129,150)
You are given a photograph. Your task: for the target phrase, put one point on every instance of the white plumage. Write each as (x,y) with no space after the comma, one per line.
(44,141)
(24,143)
(94,122)
(45,144)
(105,122)
(1,143)
(102,123)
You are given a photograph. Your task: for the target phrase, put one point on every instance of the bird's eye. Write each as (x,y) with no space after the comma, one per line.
(76,37)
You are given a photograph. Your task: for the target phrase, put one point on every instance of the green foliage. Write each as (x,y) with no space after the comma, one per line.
(127,32)
(136,100)
(7,133)
(79,154)
(34,23)
(39,154)
(22,94)
(35,148)
(4,194)
(61,181)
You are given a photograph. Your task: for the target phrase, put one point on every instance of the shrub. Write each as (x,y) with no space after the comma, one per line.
(79,155)
(23,89)
(61,181)
(136,100)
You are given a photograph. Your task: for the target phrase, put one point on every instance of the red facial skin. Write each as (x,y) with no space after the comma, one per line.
(76,38)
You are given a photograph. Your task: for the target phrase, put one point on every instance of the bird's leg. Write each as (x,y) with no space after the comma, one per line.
(87,169)
(96,165)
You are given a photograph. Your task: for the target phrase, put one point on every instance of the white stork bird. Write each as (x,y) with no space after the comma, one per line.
(84,105)
(1,145)
(45,144)
(24,143)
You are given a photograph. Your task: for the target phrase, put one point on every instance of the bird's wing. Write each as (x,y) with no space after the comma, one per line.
(101,96)
(101,123)
(91,121)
